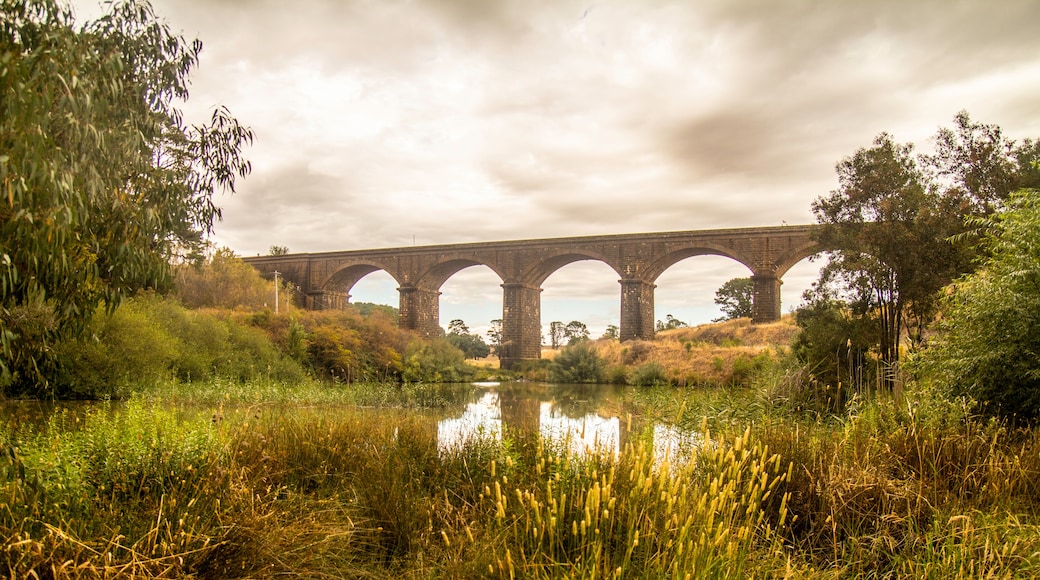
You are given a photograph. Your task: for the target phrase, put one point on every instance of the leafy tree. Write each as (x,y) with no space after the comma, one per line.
(890,238)
(368,309)
(224,281)
(457,326)
(835,342)
(576,332)
(471,345)
(435,361)
(974,164)
(494,333)
(669,323)
(104,182)
(735,298)
(612,332)
(989,344)
(891,223)
(278,251)
(557,332)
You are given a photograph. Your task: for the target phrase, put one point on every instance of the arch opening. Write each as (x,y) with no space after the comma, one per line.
(374,287)
(472,294)
(797,280)
(686,289)
(584,290)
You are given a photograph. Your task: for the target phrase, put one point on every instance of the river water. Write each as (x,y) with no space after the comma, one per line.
(581,418)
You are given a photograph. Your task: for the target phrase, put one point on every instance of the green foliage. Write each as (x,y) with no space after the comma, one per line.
(471,345)
(670,322)
(990,335)
(370,309)
(575,332)
(495,335)
(331,352)
(458,326)
(735,298)
(225,281)
(648,375)
(341,345)
(436,361)
(890,237)
(149,338)
(557,332)
(745,368)
(103,181)
(892,223)
(834,344)
(578,363)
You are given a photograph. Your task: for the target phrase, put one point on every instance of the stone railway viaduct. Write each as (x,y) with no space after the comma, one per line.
(326,279)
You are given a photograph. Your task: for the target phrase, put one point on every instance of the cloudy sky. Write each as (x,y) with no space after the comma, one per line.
(385,123)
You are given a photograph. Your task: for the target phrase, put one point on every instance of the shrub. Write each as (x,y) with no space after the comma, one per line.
(579,363)
(990,339)
(436,361)
(129,347)
(149,337)
(648,375)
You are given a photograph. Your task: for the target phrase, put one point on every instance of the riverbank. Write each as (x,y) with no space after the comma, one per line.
(294,482)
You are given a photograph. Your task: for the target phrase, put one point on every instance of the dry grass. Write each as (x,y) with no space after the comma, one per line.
(898,489)
(709,354)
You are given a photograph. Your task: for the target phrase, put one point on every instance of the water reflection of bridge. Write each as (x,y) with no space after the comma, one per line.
(581,418)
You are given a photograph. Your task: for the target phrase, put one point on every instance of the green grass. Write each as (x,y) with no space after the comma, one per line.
(227,480)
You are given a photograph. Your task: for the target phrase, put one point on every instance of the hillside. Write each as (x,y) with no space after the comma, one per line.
(716,353)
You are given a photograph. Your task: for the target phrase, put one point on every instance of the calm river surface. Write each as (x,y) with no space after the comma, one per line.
(579,417)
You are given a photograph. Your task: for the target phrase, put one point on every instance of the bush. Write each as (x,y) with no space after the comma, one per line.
(127,348)
(470,344)
(833,344)
(149,337)
(340,344)
(989,346)
(648,375)
(436,361)
(579,363)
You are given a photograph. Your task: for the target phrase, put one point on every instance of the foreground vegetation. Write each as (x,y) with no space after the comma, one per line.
(257,480)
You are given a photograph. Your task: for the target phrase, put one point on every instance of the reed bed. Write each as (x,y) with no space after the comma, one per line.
(144,489)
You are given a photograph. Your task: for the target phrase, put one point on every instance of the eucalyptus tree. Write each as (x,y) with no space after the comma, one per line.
(897,226)
(576,332)
(557,332)
(889,238)
(736,299)
(103,182)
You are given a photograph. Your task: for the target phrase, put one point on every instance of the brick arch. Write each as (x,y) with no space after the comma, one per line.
(539,272)
(344,278)
(435,277)
(661,264)
(796,255)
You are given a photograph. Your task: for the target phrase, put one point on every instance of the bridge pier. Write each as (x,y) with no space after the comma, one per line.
(326,300)
(637,310)
(521,324)
(419,310)
(765,306)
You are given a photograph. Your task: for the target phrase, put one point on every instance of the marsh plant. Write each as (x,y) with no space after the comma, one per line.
(309,484)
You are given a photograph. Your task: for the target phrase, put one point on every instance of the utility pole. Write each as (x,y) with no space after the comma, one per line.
(276,291)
